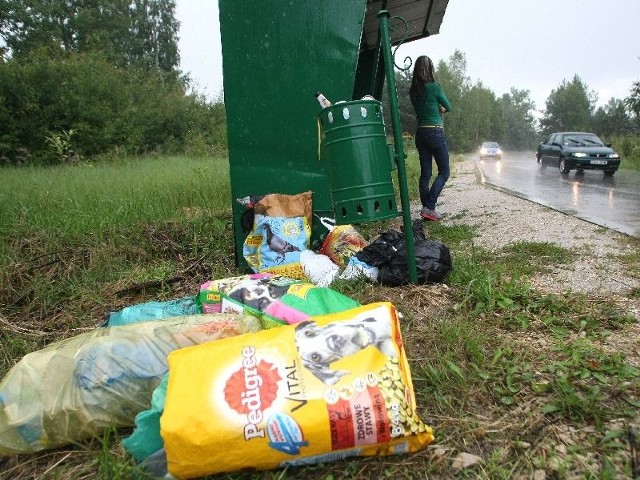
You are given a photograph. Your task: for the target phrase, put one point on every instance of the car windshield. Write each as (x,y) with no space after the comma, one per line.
(490,145)
(577,139)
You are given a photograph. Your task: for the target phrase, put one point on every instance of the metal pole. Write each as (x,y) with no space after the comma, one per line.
(399,147)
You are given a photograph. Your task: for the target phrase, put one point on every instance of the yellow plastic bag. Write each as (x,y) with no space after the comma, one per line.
(75,388)
(332,387)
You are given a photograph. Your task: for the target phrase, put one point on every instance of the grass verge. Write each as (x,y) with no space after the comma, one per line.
(530,384)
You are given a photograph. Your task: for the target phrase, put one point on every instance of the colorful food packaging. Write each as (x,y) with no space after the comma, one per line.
(327,388)
(342,242)
(281,230)
(274,299)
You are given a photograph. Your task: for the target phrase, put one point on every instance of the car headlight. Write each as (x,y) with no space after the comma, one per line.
(613,155)
(483,151)
(579,154)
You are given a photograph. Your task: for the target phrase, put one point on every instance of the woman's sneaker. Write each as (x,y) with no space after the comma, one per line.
(429,214)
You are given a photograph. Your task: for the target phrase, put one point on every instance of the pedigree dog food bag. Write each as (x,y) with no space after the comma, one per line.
(327,388)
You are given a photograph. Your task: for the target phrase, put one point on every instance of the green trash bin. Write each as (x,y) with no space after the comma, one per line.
(353,145)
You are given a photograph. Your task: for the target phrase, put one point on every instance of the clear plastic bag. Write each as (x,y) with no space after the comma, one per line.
(75,388)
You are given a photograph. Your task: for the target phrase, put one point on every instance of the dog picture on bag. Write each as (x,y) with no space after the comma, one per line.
(321,345)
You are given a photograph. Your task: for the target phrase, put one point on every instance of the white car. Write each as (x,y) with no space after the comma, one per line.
(490,150)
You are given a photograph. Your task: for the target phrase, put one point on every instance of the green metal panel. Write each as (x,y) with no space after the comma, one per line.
(276,55)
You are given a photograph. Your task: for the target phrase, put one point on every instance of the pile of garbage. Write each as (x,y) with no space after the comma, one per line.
(297,374)
(278,229)
(274,365)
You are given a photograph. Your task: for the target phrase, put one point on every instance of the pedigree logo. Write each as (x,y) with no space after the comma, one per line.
(251,390)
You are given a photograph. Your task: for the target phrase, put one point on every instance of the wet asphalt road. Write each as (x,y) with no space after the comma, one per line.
(612,202)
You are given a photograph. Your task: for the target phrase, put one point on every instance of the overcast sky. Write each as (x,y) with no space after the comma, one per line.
(527,44)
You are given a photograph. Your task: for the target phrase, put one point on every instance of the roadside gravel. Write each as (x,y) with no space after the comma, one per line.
(500,219)
(596,270)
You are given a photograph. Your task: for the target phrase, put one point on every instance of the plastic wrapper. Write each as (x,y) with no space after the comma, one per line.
(281,230)
(328,388)
(154,310)
(275,299)
(75,388)
(342,242)
(145,440)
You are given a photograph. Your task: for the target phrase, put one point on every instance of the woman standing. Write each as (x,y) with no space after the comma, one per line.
(430,103)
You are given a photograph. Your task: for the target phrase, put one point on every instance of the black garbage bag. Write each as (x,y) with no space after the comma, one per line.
(389,253)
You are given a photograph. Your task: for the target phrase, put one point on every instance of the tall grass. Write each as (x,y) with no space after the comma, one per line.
(628,147)
(72,235)
(71,201)
(497,365)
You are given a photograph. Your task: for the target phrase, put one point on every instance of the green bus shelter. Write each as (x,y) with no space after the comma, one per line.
(276,55)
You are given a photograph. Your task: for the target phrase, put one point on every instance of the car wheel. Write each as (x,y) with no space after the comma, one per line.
(564,167)
(609,173)
(539,161)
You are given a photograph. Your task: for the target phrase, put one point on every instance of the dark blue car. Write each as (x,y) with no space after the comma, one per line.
(577,151)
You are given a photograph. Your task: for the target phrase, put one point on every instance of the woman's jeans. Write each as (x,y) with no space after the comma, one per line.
(432,144)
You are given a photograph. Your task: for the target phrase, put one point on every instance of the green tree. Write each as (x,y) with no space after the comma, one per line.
(105,70)
(108,108)
(407,114)
(519,122)
(481,113)
(612,119)
(155,30)
(569,107)
(126,32)
(632,102)
(452,76)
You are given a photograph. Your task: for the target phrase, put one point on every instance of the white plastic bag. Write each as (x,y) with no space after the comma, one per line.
(318,268)
(356,269)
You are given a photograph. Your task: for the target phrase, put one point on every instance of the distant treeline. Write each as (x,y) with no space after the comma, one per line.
(511,120)
(82,105)
(80,80)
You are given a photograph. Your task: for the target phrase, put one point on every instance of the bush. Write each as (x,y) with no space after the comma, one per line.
(109,109)
(628,147)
